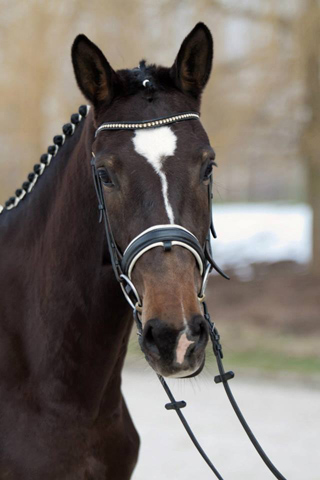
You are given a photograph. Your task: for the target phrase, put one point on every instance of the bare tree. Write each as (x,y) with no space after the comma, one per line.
(251,108)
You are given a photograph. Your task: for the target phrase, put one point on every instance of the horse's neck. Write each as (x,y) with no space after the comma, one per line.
(73,317)
(55,226)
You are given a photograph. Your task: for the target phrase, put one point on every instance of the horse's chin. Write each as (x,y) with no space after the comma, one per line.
(194,374)
(178,373)
(188,373)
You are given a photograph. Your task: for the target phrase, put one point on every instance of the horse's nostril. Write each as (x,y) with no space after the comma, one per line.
(148,334)
(191,350)
(199,331)
(198,326)
(149,340)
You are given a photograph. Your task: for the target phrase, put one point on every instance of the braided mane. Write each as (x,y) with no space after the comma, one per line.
(45,159)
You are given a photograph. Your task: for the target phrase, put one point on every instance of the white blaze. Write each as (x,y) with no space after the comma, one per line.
(155,145)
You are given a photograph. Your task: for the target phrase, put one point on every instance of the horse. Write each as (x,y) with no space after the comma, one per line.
(64,320)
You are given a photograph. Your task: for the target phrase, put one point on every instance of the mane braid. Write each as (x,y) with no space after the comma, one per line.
(45,159)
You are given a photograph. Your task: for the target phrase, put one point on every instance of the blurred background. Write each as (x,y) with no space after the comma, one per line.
(261,110)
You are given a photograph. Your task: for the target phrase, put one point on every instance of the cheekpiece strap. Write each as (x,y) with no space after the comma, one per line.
(154,123)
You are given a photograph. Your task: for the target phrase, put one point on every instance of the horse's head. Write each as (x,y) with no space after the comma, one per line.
(156,176)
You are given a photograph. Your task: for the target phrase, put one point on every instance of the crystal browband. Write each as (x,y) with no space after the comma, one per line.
(155,122)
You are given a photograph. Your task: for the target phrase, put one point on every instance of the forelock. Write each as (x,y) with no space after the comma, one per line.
(149,78)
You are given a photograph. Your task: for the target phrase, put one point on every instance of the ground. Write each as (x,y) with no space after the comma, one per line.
(284,415)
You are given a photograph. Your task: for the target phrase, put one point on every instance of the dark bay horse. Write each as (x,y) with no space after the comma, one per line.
(64,322)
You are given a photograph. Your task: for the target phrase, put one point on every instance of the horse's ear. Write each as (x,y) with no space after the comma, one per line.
(192,67)
(94,75)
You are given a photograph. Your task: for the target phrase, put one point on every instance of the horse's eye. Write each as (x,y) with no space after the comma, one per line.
(208,172)
(105,177)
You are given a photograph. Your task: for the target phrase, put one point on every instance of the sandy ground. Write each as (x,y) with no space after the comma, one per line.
(285,416)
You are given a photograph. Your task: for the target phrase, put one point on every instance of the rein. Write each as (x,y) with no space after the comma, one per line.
(167,236)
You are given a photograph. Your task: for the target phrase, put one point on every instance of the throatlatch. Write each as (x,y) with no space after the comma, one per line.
(167,236)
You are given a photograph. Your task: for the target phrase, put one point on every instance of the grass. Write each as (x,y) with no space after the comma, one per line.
(268,361)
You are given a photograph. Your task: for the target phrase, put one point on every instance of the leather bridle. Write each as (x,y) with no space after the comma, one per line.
(167,236)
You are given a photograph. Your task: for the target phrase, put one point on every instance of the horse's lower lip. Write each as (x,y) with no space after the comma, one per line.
(179,375)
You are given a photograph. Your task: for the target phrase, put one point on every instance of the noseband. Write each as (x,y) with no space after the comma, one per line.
(167,236)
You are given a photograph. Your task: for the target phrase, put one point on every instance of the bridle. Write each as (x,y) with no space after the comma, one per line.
(167,236)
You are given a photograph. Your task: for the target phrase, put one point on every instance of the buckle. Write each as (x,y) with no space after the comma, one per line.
(129,288)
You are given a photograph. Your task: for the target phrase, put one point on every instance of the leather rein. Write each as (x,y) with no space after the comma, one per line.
(166,236)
